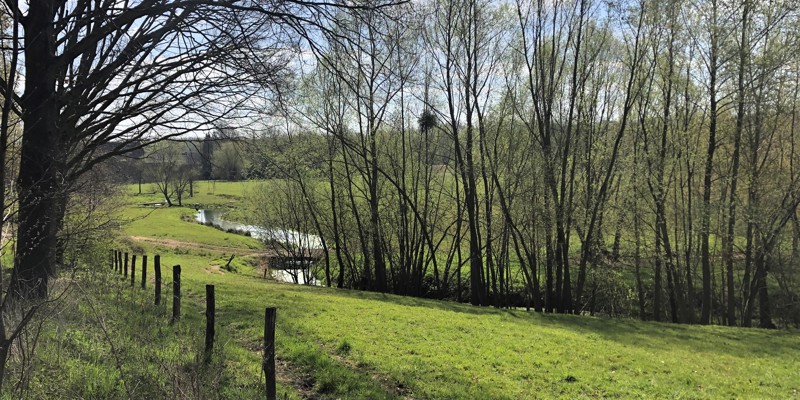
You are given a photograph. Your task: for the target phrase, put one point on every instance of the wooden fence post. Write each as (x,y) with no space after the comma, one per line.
(144,270)
(133,269)
(268,360)
(176,293)
(157,268)
(126,266)
(210,318)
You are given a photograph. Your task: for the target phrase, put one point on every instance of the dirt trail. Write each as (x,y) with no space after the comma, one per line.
(201,246)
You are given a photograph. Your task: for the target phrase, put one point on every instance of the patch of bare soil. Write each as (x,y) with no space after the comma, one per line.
(389,385)
(288,374)
(299,380)
(214,269)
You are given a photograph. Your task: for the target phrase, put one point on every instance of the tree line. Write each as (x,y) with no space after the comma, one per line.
(576,156)
(629,158)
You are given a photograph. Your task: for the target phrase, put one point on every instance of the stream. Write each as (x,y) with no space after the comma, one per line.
(285,237)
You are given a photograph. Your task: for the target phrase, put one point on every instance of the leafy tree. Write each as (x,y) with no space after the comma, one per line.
(228,162)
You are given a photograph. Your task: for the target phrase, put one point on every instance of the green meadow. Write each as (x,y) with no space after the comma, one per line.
(110,341)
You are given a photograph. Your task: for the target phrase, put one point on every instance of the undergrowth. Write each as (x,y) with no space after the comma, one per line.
(105,340)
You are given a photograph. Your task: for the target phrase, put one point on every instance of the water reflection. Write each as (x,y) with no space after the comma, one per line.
(298,246)
(294,239)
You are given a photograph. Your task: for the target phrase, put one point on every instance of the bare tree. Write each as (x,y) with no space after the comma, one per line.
(99,73)
(165,170)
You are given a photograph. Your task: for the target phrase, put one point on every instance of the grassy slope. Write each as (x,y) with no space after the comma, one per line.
(109,341)
(167,224)
(346,341)
(443,350)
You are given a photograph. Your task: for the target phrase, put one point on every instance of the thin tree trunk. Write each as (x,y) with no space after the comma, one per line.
(705,315)
(737,139)
(637,260)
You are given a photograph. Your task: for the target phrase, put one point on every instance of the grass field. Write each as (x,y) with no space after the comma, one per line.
(176,223)
(445,350)
(347,344)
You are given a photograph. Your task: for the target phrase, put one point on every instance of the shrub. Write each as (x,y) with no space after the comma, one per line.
(344,347)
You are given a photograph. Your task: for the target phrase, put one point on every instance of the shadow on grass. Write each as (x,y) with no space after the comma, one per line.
(656,336)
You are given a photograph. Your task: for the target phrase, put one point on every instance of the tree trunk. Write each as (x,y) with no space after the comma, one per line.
(747,297)
(5,350)
(375,231)
(550,298)
(37,181)
(657,280)
(764,313)
(637,259)
(705,314)
(737,139)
